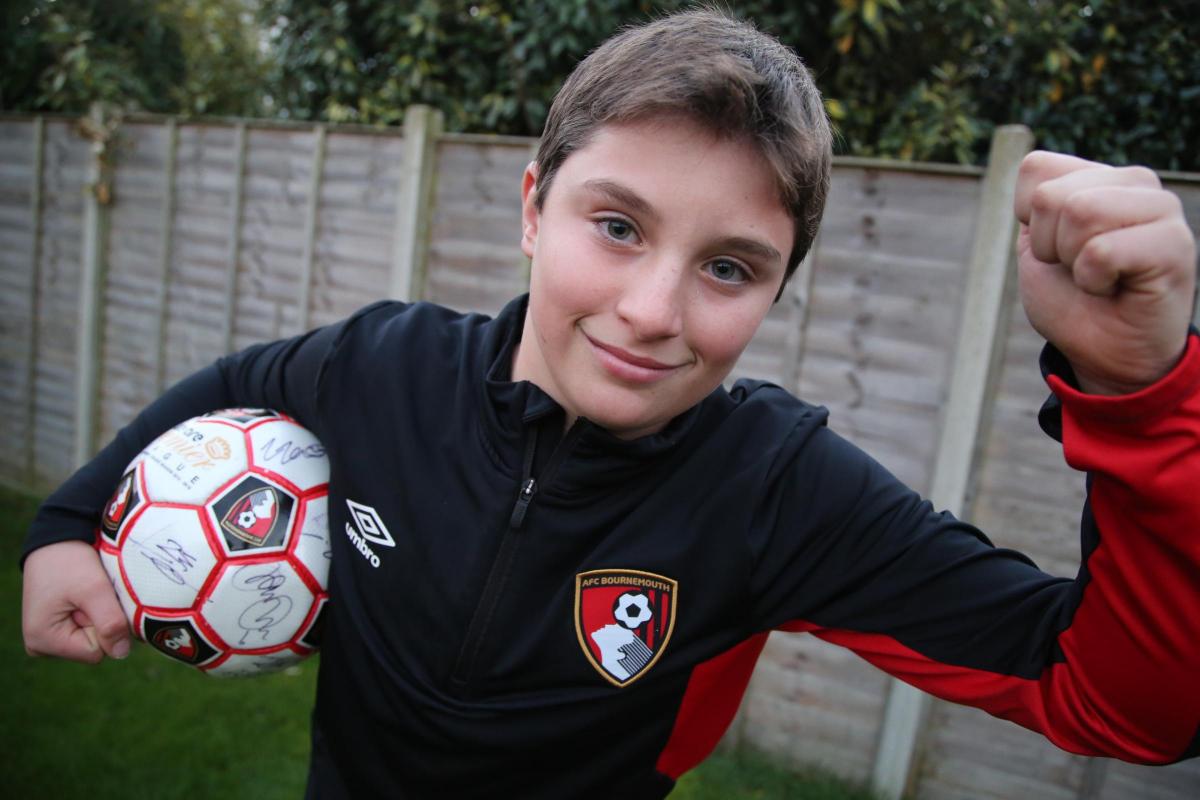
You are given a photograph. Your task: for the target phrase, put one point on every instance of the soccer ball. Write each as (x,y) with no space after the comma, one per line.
(632,609)
(217,542)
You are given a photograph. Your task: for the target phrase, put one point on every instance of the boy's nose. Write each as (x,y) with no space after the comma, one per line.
(652,302)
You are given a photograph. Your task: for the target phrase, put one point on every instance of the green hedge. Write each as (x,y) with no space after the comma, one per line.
(911,79)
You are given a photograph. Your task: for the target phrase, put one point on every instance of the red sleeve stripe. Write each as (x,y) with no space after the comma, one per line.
(1056,705)
(709,703)
(1059,705)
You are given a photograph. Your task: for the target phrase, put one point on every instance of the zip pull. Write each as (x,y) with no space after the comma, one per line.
(524,498)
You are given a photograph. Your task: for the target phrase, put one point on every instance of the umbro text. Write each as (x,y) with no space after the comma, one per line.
(361,545)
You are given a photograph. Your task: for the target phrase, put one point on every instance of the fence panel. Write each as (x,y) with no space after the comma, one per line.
(56,276)
(197,297)
(276,194)
(475,259)
(21,158)
(133,289)
(355,219)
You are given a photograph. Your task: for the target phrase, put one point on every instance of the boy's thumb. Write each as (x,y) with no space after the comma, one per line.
(106,624)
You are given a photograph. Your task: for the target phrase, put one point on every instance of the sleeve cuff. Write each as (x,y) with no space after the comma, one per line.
(1156,400)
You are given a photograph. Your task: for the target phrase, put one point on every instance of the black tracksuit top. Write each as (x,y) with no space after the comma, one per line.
(521,612)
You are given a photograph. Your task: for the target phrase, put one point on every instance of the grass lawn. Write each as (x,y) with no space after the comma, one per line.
(150,728)
(751,776)
(144,727)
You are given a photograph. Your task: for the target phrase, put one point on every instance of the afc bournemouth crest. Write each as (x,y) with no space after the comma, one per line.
(123,500)
(624,619)
(178,639)
(254,514)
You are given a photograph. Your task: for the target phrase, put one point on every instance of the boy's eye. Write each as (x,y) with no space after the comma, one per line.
(618,229)
(727,271)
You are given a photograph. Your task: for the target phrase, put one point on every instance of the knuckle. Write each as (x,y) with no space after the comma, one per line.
(1042,200)
(1036,161)
(1141,176)
(1032,168)
(1095,254)
(1079,209)
(1176,229)
(1175,209)
(1184,243)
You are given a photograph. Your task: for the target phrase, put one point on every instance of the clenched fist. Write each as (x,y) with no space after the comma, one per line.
(1107,265)
(69,609)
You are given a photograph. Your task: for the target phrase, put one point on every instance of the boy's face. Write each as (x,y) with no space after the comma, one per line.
(658,251)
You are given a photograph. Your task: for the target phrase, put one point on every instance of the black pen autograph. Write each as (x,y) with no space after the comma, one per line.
(269,609)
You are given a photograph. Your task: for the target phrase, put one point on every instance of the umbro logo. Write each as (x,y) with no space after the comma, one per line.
(367,527)
(369,524)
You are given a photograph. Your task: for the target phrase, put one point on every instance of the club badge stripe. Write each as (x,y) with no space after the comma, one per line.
(624,619)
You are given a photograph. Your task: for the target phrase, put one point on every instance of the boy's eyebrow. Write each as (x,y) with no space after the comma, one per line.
(625,196)
(750,247)
(622,195)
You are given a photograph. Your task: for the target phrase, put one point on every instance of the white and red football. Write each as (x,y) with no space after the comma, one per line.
(217,542)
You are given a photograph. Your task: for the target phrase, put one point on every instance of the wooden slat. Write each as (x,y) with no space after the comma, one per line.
(35,256)
(304,284)
(475,260)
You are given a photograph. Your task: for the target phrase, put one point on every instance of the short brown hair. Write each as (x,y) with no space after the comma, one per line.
(721,72)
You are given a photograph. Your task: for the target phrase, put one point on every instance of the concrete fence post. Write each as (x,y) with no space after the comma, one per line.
(166,241)
(414,202)
(980,344)
(316,175)
(100,127)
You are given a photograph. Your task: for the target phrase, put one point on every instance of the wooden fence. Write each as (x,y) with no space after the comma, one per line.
(133,252)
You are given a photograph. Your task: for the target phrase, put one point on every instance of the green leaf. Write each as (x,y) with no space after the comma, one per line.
(870,14)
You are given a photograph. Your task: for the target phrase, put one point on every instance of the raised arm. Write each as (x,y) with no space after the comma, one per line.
(1104,664)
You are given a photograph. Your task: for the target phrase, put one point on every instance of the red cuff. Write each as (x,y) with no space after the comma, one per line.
(1159,399)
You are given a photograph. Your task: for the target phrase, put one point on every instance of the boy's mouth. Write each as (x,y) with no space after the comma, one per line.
(630,366)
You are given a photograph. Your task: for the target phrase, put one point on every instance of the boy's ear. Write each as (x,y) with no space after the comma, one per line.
(529,213)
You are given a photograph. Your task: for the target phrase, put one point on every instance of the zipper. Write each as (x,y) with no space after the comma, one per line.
(493,588)
(528,488)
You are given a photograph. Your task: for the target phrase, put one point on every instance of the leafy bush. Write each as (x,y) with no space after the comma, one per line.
(929,79)
(912,79)
(172,56)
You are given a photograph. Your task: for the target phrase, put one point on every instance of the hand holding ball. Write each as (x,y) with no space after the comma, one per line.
(217,542)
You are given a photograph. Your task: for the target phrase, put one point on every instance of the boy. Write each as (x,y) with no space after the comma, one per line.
(588,539)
